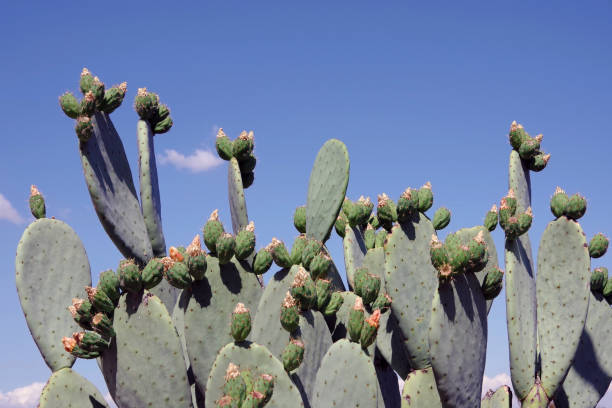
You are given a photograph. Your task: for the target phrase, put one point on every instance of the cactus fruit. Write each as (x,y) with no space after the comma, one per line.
(303,289)
(340,224)
(490,221)
(425,197)
(152,273)
(323,293)
(598,245)
(290,315)
(241,323)
(310,250)
(298,249)
(224,145)
(334,304)
(299,219)
(599,279)
(293,355)
(195,259)
(37,203)
(538,162)
(70,105)
(129,276)
(492,283)
(386,211)
(243,145)
(407,204)
(280,254)
(113,97)
(263,261)
(146,104)
(213,229)
(369,329)
(319,265)
(576,207)
(245,242)
(441,218)
(356,319)
(235,387)
(109,283)
(226,244)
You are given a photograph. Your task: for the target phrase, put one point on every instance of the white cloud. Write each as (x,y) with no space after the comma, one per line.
(493,383)
(22,397)
(198,161)
(8,212)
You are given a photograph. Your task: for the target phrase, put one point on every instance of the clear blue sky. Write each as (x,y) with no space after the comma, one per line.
(417,92)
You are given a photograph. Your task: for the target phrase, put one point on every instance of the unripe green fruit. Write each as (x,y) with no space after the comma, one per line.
(490,221)
(245,242)
(242,147)
(334,304)
(223,145)
(86,81)
(299,219)
(437,252)
(524,221)
(512,228)
(538,162)
(425,197)
(381,237)
(153,273)
(293,355)
(109,284)
(298,248)
(576,207)
(254,399)
(373,221)
(146,104)
(103,325)
(70,105)
(241,323)
(559,203)
(382,302)
(92,341)
(311,249)
(177,274)
(529,148)
(82,312)
(458,257)
(607,291)
(319,265)
(212,230)
(163,125)
(347,205)
(280,254)
(386,211)
(225,248)
(88,104)
(368,288)
(492,283)
(99,300)
(324,292)
(355,322)
(83,128)
(235,385)
(369,330)
(441,218)
(129,277)
(247,179)
(290,315)
(510,202)
(263,261)
(599,279)
(303,289)
(362,209)
(264,384)
(113,98)
(407,206)
(97,89)
(369,237)
(197,264)
(340,224)
(162,113)
(477,251)
(37,203)
(227,402)
(247,165)
(517,135)
(598,245)
(359,277)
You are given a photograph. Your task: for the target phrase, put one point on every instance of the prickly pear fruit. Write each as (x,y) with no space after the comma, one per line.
(176,273)
(490,221)
(254,399)
(599,279)
(264,384)
(319,265)
(303,289)
(195,259)
(109,284)
(290,315)
(478,255)
(381,237)
(492,283)
(88,104)
(529,148)
(223,145)
(340,224)
(517,135)
(425,196)
(146,104)
(510,201)
(334,304)
(368,288)
(103,325)
(437,252)
(347,205)
(70,105)
(263,261)
(373,221)
(113,98)
(90,341)
(234,386)
(324,292)
(359,277)
(299,219)
(512,228)
(99,300)
(356,318)
(163,125)
(243,145)
(298,249)
(407,205)
(97,89)
(82,312)
(311,249)
(226,245)
(37,203)
(369,237)
(363,209)
(86,81)
(576,206)
(559,202)
(293,355)
(129,276)
(441,218)
(369,329)
(386,211)
(247,165)
(153,273)
(83,128)
(241,323)
(538,162)
(212,231)
(382,302)
(598,245)
(245,241)
(280,254)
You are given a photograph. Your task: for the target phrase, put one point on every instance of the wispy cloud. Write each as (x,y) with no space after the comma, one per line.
(493,383)
(8,212)
(22,397)
(198,161)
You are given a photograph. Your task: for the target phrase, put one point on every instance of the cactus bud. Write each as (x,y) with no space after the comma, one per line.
(512,228)
(83,128)
(109,284)
(324,292)
(386,211)
(599,279)
(335,302)
(70,105)
(129,277)
(303,289)
(517,135)
(152,274)
(86,81)
(359,277)
(528,148)
(298,249)
(99,300)
(37,203)
(299,219)
(510,202)
(264,384)
(382,302)
(242,147)
(538,162)
(425,197)
(212,231)
(146,104)
(176,273)
(598,245)
(356,318)
(234,386)
(576,206)
(437,252)
(226,245)
(559,203)
(293,355)
(319,265)
(103,325)
(245,242)
(490,221)
(340,224)
(347,207)
(407,205)
(289,316)
(370,329)
(263,261)
(113,98)
(441,218)
(241,323)
(369,237)
(492,283)
(223,145)
(227,401)
(311,249)
(90,341)
(381,237)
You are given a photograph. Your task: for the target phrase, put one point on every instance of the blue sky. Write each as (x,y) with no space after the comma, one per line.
(417,91)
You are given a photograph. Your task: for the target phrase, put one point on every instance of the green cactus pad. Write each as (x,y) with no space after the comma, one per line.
(520,290)
(458,341)
(588,378)
(111,187)
(346,378)
(237,202)
(208,307)
(354,252)
(391,344)
(66,388)
(258,360)
(501,398)
(420,390)
(144,367)
(411,281)
(149,188)
(326,189)
(51,267)
(562,286)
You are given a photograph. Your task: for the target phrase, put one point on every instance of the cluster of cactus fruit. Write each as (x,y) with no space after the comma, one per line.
(194,326)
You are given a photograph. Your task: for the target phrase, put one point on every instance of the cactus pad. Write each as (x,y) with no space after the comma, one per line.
(237,202)
(48,250)
(420,390)
(354,251)
(66,388)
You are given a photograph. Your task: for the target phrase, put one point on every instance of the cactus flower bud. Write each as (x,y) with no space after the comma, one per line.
(234,386)
(129,277)
(99,300)
(212,231)
(88,104)
(109,283)
(297,249)
(386,211)
(176,273)
(241,323)
(370,329)
(442,218)
(381,238)
(528,148)
(311,249)
(83,128)
(293,355)
(524,221)
(303,289)
(86,81)
(478,254)
(146,104)
(223,145)
(492,283)
(195,259)
(598,245)
(382,302)
(226,245)
(320,265)
(538,162)
(264,384)
(369,237)
(299,219)
(263,261)
(368,288)
(559,202)
(242,147)
(254,399)
(103,325)
(37,203)
(437,252)
(153,273)
(517,135)
(324,292)
(407,205)
(113,98)
(340,224)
